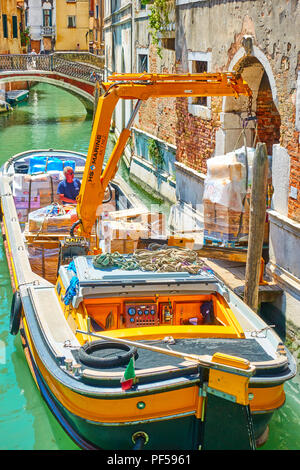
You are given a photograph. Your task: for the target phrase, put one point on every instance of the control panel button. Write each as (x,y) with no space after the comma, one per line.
(141,314)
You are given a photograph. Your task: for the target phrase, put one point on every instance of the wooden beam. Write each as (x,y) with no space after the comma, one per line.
(224,253)
(256,225)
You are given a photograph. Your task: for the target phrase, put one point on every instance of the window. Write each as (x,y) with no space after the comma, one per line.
(47,18)
(4,24)
(15,26)
(72,21)
(142,63)
(199,66)
(200,62)
(168,43)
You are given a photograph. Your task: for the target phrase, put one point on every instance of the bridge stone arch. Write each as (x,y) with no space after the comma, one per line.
(76,77)
(81,93)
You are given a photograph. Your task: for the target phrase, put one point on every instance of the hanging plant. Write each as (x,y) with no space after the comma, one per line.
(25,37)
(155,153)
(158,20)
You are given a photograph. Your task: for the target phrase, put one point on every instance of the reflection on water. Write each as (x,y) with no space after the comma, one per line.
(53,118)
(285,424)
(46,433)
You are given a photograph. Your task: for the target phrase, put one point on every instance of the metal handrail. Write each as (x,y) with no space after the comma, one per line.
(51,63)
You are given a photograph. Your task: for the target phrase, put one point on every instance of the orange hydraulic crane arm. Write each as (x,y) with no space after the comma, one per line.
(137,87)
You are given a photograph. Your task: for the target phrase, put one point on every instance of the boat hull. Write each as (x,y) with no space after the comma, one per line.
(110,423)
(17,98)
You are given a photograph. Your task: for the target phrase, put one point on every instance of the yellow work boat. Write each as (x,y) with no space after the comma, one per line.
(133,342)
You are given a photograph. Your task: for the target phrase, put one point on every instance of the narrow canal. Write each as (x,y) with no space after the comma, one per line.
(53,118)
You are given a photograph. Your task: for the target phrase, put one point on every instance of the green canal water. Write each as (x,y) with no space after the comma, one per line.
(53,118)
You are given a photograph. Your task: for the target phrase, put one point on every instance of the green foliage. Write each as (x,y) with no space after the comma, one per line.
(158,20)
(155,154)
(25,37)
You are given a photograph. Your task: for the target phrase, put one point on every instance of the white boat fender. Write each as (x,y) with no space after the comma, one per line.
(15,314)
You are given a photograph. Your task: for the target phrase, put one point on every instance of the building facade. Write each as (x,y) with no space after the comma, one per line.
(118,37)
(96,39)
(72,25)
(11,27)
(261,41)
(129,48)
(154,133)
(258,39)
(41,24)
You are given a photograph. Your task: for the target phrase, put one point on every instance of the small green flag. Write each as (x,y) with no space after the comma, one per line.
(128,378)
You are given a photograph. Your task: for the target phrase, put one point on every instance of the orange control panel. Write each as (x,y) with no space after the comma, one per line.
(140,314)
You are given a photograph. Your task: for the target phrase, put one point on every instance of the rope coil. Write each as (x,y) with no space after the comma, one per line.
(161,260)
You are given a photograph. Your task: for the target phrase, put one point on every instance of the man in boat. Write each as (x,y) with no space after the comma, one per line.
(69,188)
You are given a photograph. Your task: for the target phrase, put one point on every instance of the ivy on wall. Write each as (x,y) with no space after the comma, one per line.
(155,153)
(158,20)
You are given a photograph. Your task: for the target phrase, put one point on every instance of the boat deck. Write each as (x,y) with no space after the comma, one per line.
(249,349)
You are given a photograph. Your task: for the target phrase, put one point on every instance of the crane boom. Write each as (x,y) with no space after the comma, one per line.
(138,87)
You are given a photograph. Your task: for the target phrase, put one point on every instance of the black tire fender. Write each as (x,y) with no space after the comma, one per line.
(15,314)
(86,357)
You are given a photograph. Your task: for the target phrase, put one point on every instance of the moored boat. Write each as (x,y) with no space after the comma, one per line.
(15,97)
(140,346)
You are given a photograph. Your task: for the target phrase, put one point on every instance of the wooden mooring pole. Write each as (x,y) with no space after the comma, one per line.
(256,225)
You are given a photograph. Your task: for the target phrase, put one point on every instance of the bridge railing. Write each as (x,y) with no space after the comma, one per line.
(51,63)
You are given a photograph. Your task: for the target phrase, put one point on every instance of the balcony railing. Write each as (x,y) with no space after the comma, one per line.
(48,31)
(51,63)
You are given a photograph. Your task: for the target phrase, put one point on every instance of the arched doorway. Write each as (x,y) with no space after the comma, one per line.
(256,71)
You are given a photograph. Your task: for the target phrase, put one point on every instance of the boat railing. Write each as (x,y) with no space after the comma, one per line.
(50,63)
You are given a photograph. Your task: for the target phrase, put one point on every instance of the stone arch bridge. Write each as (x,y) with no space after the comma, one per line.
(76,77)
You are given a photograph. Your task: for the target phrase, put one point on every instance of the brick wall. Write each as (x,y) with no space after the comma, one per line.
(157,116)
(293,149)
(268,118)
(195,137)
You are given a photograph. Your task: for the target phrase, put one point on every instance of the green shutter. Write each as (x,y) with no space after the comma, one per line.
(4,23)
(15,26)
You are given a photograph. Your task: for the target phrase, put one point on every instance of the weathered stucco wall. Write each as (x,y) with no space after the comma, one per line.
(157,116)
(72,38)
(219,28)
(118,52)
(259,39)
